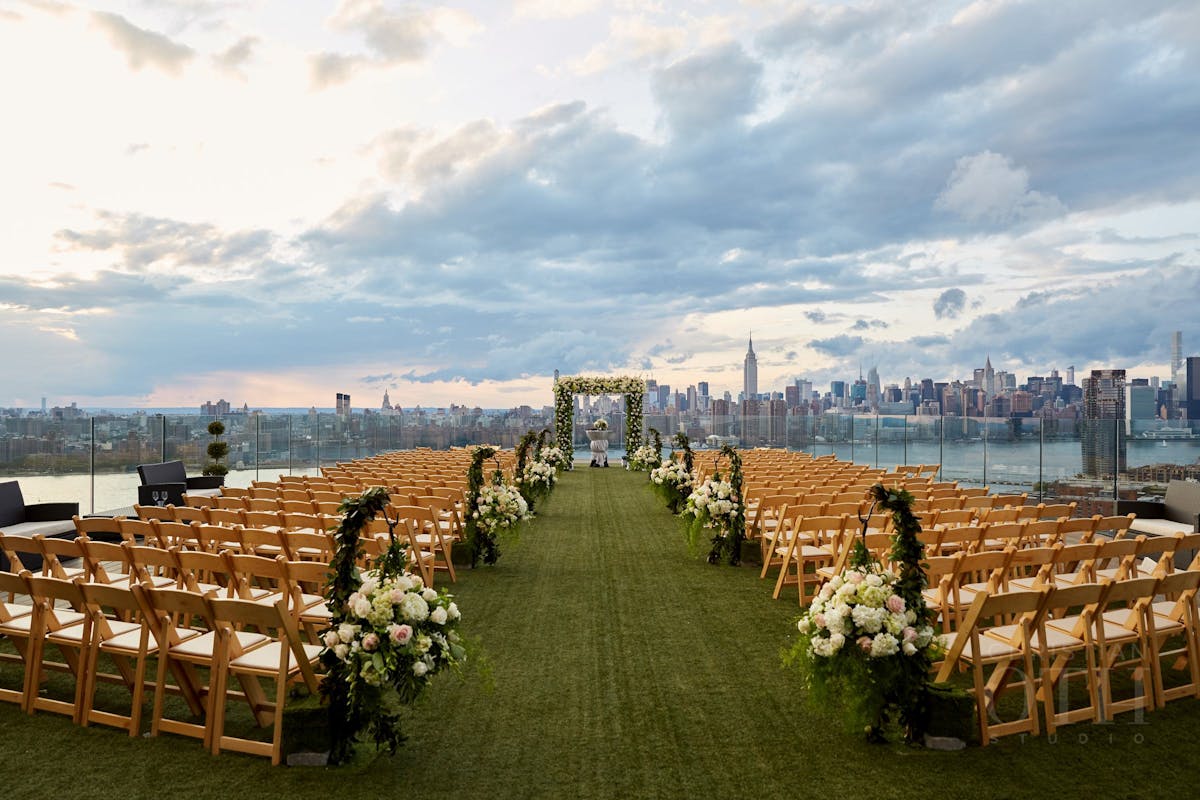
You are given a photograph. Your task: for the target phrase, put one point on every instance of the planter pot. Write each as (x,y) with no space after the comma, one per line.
(952,714)
(306,739)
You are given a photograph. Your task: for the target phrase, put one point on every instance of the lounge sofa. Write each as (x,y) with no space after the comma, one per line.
(1179,511)
(21,519)
(171,477)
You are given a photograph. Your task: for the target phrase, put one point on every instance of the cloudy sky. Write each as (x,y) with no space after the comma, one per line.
(274,201)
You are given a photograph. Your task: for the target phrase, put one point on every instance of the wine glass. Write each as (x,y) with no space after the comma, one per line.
(159,498)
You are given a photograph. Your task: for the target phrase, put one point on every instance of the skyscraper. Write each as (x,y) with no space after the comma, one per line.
(750,372)
(1176,357)
(1102,436)
(1193,388)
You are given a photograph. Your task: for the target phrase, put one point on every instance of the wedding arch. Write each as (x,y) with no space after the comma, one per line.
(565,390)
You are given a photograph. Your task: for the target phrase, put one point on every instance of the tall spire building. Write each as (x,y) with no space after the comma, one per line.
(750,373)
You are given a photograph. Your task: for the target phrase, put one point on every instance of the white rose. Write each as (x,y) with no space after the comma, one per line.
(438,616)
(345,632)
(453,612)
(430,595)
(331,638)
(362,606)
(341,651)
(419,668)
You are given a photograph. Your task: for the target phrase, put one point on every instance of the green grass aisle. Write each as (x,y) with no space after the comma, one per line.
(620,668)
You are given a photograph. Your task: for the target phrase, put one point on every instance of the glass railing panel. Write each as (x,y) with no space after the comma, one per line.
(49,456)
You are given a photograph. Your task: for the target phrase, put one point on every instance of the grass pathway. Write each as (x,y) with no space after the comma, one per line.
(620,667)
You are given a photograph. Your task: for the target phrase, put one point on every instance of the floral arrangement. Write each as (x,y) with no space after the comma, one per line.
(645,458)
(673,482)
(499,507)
(868,635)
(388,635)
(600,425)
(554,458)
(395,634)
(860,607)
(539,474)
(716,505)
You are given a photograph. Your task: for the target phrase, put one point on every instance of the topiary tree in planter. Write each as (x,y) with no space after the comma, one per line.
(217,450)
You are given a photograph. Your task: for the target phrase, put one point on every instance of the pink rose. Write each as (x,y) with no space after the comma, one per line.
(865,643)
(910,634)
(819,620)
(895,604)
(370,642)
(401,633)
(855,578)
(396,596)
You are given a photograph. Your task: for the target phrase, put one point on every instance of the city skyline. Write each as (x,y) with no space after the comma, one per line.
(273,202)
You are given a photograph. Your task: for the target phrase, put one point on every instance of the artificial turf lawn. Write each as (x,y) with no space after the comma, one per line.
(618,666)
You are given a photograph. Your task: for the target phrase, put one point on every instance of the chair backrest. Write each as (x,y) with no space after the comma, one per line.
(188,514)
(1113,527)
(22,552)
(223,516)
(166,472)
(103,528)
(56,550)
(154,512)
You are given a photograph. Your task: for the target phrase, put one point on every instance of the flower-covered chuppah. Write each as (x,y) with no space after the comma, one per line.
(565,389)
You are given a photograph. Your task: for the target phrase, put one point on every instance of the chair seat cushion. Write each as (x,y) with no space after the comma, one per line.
(1159,527)
(989,648)
(202,646)
(265,660)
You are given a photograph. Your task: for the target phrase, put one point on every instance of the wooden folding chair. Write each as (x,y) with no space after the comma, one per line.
(17,625)
(1072,630)
(68,630)
(282,658)
(121,632)
(428,549)
(183,656)
(188,514)
(970,645)
(1121,627)
(1174,616)
(61,558)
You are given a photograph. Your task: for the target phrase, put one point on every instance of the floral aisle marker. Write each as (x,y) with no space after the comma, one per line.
(565,389)
(389,635)
(867,639)
(716,505)
(648,456)
(673,483)
(493,507)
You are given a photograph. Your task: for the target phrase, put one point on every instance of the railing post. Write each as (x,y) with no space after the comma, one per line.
(92,460)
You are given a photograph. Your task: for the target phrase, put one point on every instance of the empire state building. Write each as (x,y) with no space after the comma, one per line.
(750,373)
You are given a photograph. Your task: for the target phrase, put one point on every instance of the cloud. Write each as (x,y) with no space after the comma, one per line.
(237,54)
(390,37)
(712,88)
(838,346)
(950,304)
(143,47)
(988,188)
(554,9)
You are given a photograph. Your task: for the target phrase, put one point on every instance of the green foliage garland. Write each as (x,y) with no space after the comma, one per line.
(528,441)
(347,718)
(483,543)
(684,445)
(910,691)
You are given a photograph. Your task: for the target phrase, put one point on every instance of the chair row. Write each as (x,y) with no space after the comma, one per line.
(1034,640)
(183,632)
